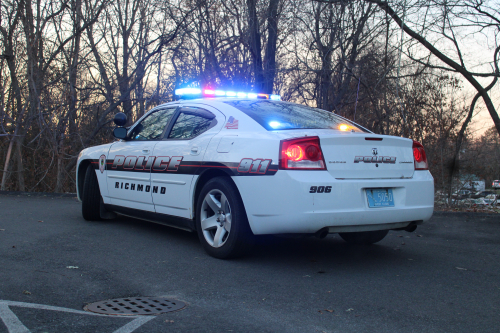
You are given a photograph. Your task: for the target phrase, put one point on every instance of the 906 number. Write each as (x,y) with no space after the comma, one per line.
(320,189)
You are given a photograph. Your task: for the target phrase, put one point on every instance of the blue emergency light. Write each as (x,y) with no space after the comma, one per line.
(196,92)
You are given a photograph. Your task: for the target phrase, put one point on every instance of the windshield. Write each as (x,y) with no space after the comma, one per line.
(274,115)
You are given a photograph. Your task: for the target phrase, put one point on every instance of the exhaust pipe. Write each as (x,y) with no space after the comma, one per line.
(411,227)
(321,233)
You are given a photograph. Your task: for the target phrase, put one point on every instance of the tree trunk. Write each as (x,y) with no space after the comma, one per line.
(270,56)
(255,45)
(20,167)
(6,166)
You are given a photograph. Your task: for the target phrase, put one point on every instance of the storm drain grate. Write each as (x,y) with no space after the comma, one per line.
(134,306)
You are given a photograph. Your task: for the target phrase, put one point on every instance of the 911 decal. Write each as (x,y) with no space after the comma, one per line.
(320,189)
(259,165)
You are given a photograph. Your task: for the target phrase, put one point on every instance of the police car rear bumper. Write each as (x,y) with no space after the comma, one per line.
(282,203)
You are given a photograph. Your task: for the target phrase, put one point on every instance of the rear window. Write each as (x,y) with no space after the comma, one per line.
(273,115)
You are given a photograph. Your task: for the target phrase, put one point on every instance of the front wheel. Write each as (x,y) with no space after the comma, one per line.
(365,237)
(221,220)
(91,198)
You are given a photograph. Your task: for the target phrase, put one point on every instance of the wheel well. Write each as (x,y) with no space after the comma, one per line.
(82,169)
(202,180)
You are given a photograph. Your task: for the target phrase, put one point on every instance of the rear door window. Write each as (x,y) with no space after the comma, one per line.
(191,122)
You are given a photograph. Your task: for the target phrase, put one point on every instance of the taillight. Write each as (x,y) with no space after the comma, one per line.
(301,154)
(419,156)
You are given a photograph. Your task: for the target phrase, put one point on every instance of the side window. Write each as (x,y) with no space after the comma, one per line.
(191,123)
(152,127)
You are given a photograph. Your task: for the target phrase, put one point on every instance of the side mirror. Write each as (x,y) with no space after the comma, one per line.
(120,133)
(120,119)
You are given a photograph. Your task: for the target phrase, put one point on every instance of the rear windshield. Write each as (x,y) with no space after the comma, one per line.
(274,115)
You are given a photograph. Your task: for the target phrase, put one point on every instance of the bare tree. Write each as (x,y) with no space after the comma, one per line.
(448,16)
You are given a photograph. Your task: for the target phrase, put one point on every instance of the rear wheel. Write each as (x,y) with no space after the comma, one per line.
(365,237)
(91,198)
(221,220)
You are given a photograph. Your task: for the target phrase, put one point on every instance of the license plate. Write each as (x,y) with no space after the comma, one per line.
(379,197)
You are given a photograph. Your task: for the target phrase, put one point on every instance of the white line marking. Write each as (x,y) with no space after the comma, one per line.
(135,324)
(14,325)
(49,307)
(10,320)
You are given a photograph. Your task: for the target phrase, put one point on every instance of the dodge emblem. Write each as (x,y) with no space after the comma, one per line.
(374,151)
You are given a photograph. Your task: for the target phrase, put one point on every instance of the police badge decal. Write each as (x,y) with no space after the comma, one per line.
(102,163)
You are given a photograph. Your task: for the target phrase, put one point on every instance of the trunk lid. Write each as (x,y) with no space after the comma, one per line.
(360,155)
(351,155)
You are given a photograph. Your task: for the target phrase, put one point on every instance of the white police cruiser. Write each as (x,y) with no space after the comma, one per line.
(249,164)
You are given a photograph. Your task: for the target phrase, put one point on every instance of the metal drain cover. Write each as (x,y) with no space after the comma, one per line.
(134,306)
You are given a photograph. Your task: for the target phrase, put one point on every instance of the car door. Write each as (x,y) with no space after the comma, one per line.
(131,160)
(181,153)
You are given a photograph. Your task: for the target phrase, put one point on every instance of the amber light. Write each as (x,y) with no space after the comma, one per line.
(295,153)
(343,127)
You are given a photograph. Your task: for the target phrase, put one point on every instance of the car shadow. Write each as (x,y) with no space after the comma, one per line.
(273,250)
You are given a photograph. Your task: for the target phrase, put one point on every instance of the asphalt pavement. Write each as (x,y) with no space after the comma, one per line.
(444,277)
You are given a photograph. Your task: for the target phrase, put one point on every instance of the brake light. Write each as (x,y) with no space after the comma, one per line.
(419,157)
(295,153)
(301,154)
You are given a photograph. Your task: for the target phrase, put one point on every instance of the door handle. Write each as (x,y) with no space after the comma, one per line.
(145,151)
(194,149)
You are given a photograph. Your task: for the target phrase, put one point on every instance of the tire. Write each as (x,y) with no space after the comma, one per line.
(365,237)
(221,220)
(91,198)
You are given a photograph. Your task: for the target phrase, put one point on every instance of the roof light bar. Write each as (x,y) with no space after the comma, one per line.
(187,91)
(208,92)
